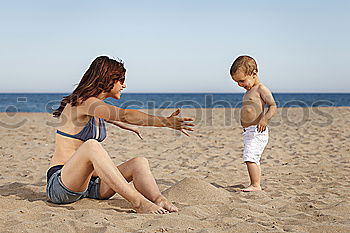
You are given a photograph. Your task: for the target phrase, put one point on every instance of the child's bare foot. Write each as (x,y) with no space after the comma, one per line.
(147,207)
(163,202)
(251,188)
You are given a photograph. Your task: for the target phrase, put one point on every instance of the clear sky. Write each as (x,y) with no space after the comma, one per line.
(176,46)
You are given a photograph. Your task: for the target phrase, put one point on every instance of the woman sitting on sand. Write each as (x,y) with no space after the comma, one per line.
(80,167)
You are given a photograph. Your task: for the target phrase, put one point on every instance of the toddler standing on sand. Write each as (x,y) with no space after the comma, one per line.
(254,120)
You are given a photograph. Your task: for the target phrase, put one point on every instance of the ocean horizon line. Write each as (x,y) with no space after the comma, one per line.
(41,102)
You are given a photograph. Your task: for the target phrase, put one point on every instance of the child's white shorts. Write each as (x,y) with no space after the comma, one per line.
(254,143)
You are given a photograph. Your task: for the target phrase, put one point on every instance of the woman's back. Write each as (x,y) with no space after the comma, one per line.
(73,120)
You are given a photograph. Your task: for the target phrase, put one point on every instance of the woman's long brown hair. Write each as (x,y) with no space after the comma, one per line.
(100,77)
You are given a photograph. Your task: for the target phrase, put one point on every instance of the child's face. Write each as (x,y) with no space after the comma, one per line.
(243,80)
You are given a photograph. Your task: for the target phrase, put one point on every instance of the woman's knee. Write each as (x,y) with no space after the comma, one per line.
(140,161)
(93,146)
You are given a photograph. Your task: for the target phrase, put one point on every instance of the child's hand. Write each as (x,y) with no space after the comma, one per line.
(262,125)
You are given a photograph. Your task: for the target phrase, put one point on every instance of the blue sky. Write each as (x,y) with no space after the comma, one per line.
(176,46)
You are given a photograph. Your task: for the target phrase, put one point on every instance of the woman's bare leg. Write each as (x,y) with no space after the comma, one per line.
(91,157)
(138,171)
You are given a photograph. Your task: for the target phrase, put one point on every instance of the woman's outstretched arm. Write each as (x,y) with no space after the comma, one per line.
(98,108)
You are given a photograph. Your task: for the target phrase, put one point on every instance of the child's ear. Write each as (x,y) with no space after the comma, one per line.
(254,73)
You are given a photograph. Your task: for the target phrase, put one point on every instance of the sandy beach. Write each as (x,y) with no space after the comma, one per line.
(305,176)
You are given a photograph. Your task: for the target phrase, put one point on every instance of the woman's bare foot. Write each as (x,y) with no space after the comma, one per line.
(251,188)
(147,207)
(164,203)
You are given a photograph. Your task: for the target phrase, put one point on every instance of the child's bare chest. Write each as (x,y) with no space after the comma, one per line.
(252,97)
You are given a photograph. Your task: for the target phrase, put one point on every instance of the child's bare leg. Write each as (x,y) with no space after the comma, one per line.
(91,157)
(255,176)
(138,171)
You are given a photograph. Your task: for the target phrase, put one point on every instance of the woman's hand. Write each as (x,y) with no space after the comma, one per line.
(181,124)
(127,127)
(137,131)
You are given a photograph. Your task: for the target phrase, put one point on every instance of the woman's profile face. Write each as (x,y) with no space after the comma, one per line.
(119,85)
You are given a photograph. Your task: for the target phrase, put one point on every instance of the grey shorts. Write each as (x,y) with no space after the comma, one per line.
(59,194)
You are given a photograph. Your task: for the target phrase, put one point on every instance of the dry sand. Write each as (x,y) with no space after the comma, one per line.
(305,169)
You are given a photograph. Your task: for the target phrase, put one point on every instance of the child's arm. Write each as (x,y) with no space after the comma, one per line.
(123,126)
(267,97)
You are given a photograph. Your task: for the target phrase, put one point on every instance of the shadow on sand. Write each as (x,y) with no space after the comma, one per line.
(231,188)
(23,191)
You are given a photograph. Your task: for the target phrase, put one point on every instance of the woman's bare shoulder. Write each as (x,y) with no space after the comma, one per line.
(98,108)
(91,103)
(92,100)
